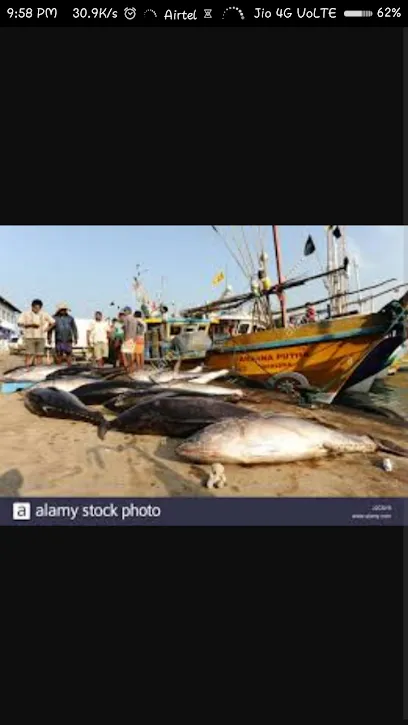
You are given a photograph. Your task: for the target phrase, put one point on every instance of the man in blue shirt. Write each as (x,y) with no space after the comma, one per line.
(66,334)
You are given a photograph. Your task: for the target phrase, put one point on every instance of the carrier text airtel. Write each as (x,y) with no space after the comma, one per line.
(309,13)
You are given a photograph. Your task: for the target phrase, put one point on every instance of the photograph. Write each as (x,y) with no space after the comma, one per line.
(204,361)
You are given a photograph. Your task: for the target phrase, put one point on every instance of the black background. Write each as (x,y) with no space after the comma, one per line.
(111,126)
(137,126)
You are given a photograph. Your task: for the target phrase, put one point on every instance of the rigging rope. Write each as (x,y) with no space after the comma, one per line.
(230,250)
(244,260)
(249,251)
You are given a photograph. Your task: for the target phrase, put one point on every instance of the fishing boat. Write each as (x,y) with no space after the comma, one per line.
(321,356)
(377,362)
(193,334)
(227,325)
(164,329)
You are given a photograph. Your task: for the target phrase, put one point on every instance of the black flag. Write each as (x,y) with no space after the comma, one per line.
(309,247)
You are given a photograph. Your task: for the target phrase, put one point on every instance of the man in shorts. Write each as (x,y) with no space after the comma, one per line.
(141,329)
(128,346)
(35,324)
(98,339)
(66,334)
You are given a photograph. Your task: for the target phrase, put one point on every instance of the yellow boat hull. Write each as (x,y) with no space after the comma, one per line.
(322,354)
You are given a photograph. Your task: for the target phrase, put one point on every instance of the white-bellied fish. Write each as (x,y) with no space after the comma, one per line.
(208,377)
(32,373)
(193,388)
(275,439)
(86,371)
(128,398)
(90,393)
(69,384)
(101,392)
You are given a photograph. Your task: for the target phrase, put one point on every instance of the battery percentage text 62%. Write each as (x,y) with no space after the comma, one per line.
(389,13)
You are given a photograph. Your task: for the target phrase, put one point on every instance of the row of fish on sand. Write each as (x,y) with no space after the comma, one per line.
(216,428)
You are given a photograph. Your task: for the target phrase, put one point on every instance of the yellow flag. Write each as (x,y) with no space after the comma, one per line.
(218,278)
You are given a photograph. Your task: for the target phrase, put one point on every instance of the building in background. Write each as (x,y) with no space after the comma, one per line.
(9,315)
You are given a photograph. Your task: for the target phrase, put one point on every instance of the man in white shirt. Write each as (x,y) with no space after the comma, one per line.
(35,323)
(98,339)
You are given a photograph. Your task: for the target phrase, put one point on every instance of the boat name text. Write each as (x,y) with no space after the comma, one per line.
(269,357)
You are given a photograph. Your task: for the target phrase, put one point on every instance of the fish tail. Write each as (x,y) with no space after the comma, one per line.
(103,428)
(390,447)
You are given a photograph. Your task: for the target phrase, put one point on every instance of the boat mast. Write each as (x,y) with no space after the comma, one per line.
(358,284)
(281,279)
(336,253)
(343,275)
(329,282)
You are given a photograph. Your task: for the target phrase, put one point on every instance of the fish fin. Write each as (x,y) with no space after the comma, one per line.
(103,428)
(390,447)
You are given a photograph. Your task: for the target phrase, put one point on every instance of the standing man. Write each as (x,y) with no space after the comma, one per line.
(128,347)
(141,329)
(35,324)
(117,339)
(98,338)
(66,334)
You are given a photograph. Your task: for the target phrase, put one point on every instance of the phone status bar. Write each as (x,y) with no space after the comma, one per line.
(232,15)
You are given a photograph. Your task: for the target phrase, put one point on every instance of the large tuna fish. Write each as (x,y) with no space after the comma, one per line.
(172,416)
(54,403)
(274,439)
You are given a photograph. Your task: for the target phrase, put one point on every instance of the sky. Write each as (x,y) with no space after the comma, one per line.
(91,266)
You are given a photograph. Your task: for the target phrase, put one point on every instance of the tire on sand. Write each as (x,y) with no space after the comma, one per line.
(288,382)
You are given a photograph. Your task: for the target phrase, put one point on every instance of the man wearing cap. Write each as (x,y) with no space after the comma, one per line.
(66,334)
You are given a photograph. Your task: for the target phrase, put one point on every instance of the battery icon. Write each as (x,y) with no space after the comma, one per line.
(358,13)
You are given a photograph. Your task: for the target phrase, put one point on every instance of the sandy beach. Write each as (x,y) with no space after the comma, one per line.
(48,457)
(51,458)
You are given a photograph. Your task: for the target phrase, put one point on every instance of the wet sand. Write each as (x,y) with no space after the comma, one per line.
(46,457)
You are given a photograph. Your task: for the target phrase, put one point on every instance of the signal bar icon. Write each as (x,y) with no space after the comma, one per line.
(358,13)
